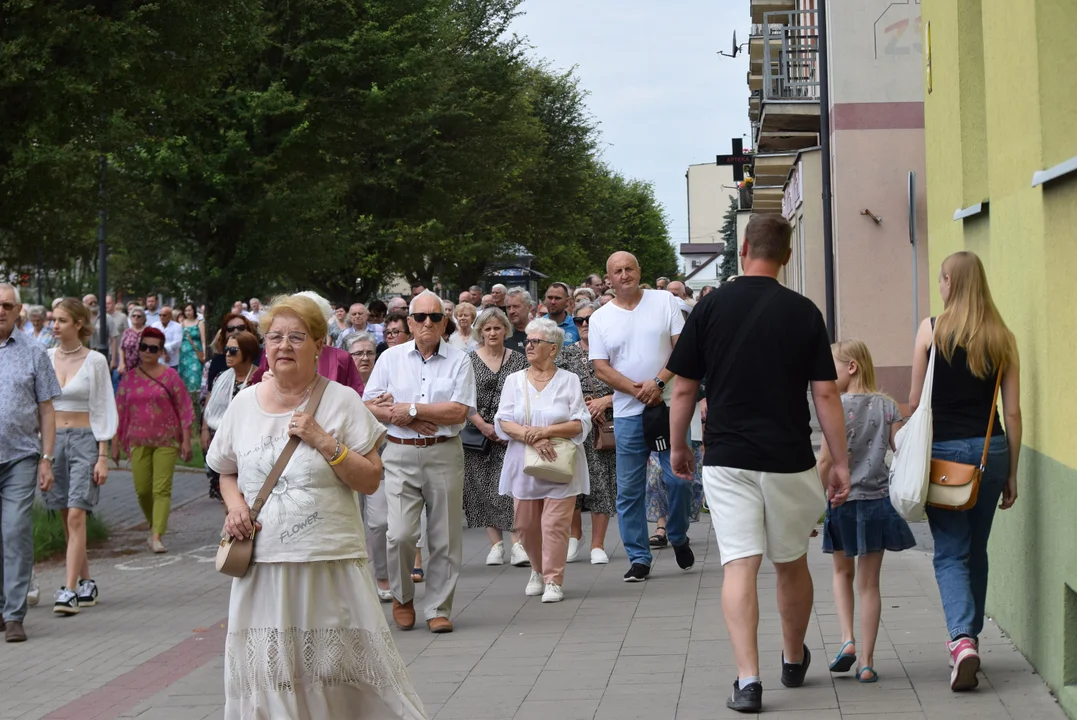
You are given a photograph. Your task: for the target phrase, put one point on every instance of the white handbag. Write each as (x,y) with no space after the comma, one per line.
(910,471)
(561,469)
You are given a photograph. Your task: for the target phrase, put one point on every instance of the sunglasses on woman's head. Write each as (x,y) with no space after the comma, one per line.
(421,317)
(231,351)
(154,349)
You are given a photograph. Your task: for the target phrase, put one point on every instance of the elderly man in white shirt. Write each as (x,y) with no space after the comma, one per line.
(432,386)
(173,336)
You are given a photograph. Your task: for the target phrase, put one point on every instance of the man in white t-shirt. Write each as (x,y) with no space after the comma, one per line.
(631,339)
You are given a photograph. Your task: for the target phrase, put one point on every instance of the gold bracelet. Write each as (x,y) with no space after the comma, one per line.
(338,460)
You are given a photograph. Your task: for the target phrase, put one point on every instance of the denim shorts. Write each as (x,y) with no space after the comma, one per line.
(72,472)
(859,527)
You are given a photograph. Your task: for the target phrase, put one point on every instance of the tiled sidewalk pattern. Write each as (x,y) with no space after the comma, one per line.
(657,650)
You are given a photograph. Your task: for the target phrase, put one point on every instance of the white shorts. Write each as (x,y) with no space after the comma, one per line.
(757,512)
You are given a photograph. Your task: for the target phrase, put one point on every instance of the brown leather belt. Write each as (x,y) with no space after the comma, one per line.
(422,442)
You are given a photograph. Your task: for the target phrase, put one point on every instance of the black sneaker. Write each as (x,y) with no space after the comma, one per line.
(637,573)
(746,700)
(67,602)
(685,557)
(87,593)
(793,675)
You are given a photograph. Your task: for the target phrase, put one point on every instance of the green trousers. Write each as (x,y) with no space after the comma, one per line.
(153,468)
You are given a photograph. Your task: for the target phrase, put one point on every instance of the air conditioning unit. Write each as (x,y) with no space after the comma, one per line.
(696,263)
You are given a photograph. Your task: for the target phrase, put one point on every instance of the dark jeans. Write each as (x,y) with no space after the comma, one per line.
(961,535)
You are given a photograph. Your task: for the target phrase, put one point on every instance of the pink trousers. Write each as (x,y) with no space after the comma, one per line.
(543,526)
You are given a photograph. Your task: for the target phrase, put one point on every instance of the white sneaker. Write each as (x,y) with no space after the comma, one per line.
(599,557)
(573,549)
(33,597)
(553,593)
(519,557)
(385,595)
(534,585)
(497,554)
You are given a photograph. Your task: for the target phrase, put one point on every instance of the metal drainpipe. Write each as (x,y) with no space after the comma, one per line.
(824,151)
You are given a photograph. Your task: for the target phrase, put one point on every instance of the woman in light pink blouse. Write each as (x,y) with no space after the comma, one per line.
(155,419)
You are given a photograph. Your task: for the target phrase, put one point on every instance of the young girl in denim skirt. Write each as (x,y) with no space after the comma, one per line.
(866,525)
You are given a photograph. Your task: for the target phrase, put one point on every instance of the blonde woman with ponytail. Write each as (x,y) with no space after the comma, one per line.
(973,345)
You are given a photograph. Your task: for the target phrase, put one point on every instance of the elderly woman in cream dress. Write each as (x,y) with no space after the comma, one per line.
(306,634)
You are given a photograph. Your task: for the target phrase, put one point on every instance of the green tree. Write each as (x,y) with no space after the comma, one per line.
(729,237)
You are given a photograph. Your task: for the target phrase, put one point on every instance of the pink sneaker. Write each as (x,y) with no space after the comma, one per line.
(975,644)
(966,662)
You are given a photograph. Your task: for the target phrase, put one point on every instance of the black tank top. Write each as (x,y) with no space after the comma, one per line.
(960,401)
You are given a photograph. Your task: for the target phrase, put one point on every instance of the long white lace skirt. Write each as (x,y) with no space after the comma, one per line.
(309,641)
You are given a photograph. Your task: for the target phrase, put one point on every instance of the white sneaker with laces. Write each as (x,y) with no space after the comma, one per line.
(519,557)
(573,549)
(534,585)
(385,595)
(599,557)
(33,597)
(553,593)
(497,554)
(67,602)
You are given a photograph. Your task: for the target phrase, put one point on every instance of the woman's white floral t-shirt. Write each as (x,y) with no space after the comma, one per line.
(310,515)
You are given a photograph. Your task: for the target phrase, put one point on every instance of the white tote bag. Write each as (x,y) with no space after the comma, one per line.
(910,472)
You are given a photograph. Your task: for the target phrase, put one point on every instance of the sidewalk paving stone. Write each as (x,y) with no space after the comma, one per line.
(657,650)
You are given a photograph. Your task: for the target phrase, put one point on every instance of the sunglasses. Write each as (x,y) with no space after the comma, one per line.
(581,321)
(8,306)
(231,351)
(235,328)
(421,317)
(152,349)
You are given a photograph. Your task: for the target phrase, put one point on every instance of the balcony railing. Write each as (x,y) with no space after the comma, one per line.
(791,67)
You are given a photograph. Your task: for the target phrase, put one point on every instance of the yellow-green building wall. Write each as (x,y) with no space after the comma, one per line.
(1001,104)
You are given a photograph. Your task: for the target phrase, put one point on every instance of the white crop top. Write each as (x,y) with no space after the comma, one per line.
(90,390)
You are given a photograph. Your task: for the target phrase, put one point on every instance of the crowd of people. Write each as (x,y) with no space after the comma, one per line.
(419,416)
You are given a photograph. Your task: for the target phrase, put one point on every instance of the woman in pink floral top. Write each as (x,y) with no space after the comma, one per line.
(155,419)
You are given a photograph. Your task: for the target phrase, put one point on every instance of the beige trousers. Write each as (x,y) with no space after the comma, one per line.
(543,526)
(433,476)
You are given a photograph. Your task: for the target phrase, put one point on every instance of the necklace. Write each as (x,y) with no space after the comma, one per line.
(535,376)
(302,401)
(70,352)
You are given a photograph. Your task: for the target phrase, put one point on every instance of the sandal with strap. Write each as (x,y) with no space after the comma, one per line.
(867,669)
(659,541)
(417,575)
(844,661)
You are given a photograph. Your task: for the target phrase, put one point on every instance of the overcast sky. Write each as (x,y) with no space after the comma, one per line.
(663,96)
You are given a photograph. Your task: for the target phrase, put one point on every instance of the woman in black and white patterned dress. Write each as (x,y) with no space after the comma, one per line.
(602,464)
(484,506)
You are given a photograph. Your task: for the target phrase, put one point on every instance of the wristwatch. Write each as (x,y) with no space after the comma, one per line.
(413,411)
(661,385)
(50,458)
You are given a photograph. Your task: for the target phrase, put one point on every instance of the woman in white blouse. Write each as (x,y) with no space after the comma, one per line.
(86,420)
(306,634)
(557,410)
(465,315)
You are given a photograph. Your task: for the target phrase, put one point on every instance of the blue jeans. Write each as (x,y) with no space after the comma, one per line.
(961,535)
(18,481)
(632,456)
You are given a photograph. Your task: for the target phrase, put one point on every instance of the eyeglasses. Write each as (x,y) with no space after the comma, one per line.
(535,342)
(231,351)
(294,338)
(362,353)
(581,321)
(236,328)
(152,349)
(421,317)
(8,306)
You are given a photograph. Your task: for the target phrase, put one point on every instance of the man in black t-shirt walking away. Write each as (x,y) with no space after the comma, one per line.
(759,346)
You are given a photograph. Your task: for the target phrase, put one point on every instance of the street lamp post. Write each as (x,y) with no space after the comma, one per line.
(102,255)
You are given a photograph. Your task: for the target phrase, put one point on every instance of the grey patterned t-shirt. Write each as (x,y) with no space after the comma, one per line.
(26,379)
(867,427)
